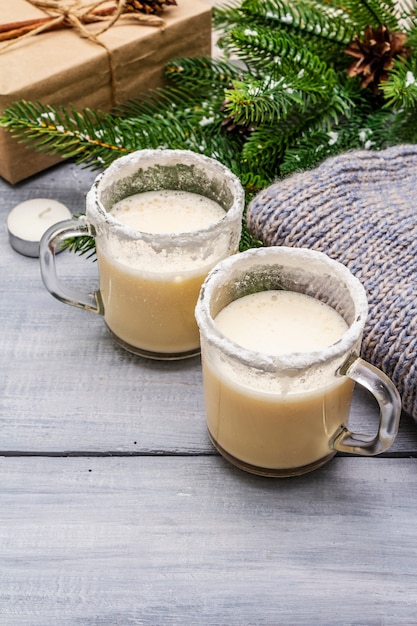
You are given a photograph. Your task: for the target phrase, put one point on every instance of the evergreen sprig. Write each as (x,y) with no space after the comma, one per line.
(400,91)
(278,101)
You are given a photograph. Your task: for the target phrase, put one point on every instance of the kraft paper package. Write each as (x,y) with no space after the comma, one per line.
(62,67)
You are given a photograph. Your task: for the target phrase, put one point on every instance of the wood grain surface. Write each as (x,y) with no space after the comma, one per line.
(115,509)
(68,388)
(195,541)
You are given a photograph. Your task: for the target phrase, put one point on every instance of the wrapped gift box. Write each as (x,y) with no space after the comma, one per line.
(61,67)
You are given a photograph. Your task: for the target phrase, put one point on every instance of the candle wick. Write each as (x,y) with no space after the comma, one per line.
(44,212)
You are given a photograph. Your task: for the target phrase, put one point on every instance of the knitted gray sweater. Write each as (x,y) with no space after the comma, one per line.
(360,208)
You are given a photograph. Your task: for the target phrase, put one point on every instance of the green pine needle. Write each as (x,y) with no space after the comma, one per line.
(279,101)
(400,90)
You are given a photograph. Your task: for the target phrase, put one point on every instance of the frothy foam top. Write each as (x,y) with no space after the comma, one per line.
(280,322)
(167,211)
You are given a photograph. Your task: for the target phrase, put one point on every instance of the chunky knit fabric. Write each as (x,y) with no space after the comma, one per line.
(359,208)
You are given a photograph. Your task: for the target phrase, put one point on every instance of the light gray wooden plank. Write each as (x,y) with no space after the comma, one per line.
(66,387)
(196,541)
(64,384)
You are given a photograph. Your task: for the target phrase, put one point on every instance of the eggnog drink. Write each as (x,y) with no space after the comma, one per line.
(152,307)
(264,429)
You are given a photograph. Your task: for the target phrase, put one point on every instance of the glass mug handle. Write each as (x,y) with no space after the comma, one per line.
(50,241)
(389,402)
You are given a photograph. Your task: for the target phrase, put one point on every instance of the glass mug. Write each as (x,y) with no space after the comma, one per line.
(149,282)
(287,414)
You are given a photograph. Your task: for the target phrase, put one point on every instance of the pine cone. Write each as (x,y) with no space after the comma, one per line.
(376,55)
(149,7)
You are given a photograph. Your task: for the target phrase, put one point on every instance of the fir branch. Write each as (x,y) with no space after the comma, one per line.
(403,128)
(266,149)
(362,131)
(287,45)
(284,105)
(400,90)
(263,153)
(202,74)
(247,240)
(68,133)
(304,17)
(253,101)
(83,246)
(261,102)
(258,46)
(227,15)
(412,32)
(375,12)
(96,139)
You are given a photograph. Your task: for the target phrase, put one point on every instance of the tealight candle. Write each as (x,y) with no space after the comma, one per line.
(28,221)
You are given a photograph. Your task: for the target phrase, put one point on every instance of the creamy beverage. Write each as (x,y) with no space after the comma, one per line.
(280,322)
(281,330)
(153,308)
(160,220)
(167,211)
(270,430)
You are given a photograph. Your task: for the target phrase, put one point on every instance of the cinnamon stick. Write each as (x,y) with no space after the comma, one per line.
(13,30)
(17,25)
(18,31)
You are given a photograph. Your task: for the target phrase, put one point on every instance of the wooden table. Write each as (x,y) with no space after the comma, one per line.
(115,509)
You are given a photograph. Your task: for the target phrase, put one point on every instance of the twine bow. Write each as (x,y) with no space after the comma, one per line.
(76,14)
